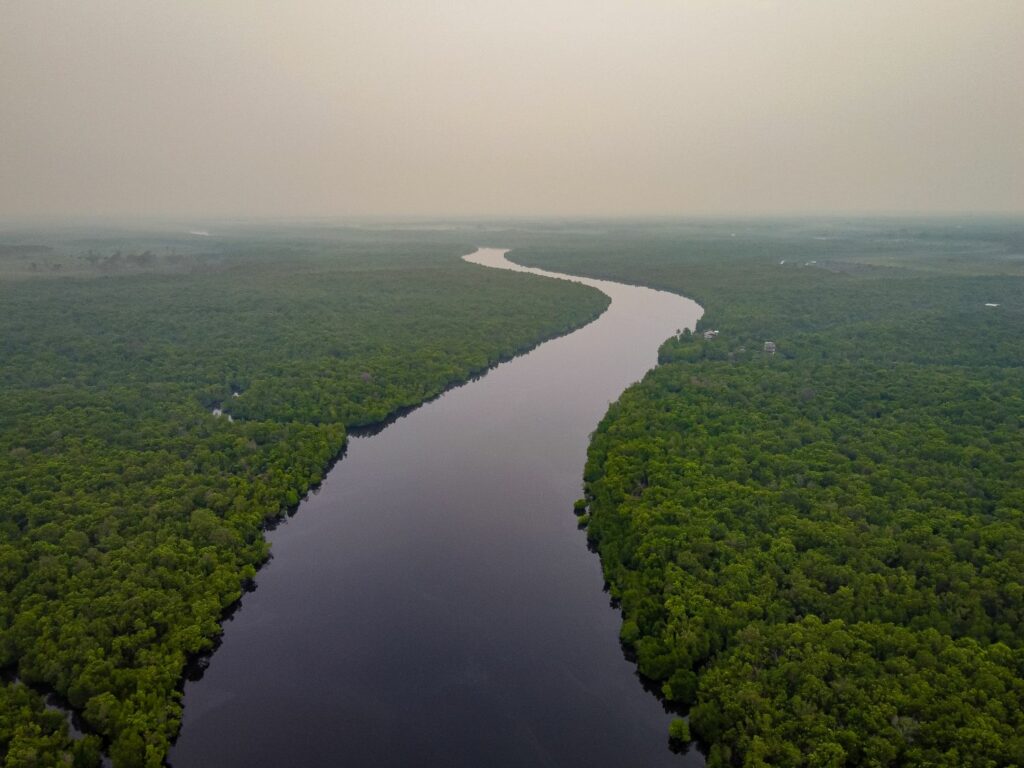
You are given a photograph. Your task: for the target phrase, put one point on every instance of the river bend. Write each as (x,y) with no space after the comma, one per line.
(433,603)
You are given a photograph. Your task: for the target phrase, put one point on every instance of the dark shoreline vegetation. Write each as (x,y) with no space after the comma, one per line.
(819,553)
(132,517)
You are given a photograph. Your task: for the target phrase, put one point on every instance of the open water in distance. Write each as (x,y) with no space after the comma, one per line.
(434,603)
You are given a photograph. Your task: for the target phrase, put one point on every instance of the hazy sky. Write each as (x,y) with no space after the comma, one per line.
(245,107)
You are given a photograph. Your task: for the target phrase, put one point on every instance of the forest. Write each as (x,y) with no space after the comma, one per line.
(818,548)
(132,514)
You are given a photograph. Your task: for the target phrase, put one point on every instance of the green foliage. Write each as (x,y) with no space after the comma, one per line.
(821,551)
(813,694)
(130,516)
(679,731)
(32,736)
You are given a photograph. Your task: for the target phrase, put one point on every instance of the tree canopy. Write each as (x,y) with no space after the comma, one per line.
(131,516)
(819,553)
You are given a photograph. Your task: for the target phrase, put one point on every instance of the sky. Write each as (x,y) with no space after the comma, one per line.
(317,108)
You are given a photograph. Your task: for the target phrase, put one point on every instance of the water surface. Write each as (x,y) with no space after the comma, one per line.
(433,603)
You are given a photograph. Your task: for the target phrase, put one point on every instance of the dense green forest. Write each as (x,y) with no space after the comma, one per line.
(131,516)
(819,553)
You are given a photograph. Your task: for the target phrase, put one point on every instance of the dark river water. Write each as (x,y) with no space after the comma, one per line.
(434,604)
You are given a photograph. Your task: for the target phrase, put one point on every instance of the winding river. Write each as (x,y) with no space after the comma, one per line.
(433,603)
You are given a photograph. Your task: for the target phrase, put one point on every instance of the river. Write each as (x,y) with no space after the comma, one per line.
(434,603)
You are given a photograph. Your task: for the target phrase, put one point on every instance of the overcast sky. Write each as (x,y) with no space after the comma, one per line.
(324,108)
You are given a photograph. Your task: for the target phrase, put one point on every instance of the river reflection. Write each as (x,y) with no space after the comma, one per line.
(434,603)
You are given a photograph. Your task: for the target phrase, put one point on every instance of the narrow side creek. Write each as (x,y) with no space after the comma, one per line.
(434,602)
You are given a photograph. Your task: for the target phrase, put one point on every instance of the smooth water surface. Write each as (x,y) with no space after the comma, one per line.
(434,603)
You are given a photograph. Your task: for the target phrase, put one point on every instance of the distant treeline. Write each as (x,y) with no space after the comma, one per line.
(819,552)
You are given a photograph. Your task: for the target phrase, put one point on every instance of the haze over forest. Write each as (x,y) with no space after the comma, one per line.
(243,108)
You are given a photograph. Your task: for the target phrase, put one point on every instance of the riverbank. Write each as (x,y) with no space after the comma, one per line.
(816,541)
(133,515)
(434,601)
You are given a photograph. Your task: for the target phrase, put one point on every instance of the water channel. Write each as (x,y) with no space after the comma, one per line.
(434,604)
